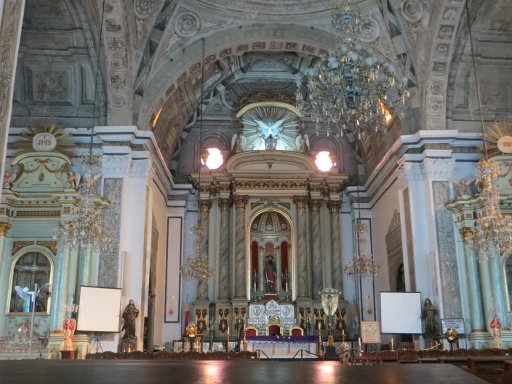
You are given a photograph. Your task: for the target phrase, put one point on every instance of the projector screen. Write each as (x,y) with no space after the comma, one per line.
(400,312)
(99,309)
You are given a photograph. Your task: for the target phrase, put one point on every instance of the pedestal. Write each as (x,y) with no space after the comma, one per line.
(129,345)
(67,355)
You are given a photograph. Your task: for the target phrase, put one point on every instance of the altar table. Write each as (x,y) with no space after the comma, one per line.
(284,347)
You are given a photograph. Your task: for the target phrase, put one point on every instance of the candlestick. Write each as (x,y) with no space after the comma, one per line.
(359,342)
(392,345)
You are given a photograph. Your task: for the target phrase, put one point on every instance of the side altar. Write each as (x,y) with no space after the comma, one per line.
(261,316)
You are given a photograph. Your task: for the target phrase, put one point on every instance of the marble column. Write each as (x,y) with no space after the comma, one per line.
(316,247)
(204,214)
(224,205)
(336,262)
(302,264)
(487,290)
(240,202)
(261,267)
(475,297)
(499,294)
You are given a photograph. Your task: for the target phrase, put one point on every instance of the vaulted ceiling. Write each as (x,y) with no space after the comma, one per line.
(149,57)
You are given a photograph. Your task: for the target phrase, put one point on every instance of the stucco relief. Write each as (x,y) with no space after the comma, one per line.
(144,8)
(449,18)
(9,21)
(369,29)
(117,166)
(412,10)
(187,24)
(439,168)
(447,253)
(109,261)
(50,85)
(410,172)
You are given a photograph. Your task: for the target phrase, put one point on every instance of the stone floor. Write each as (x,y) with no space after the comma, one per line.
(239,372)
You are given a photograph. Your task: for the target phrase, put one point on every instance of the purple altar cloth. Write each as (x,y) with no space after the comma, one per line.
(286,339)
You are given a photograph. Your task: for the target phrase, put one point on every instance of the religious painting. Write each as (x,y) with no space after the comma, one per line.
(370,332)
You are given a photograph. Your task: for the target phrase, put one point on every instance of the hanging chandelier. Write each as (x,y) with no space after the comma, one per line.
(197,267)
(493,230)
(350,90)
(84,227)
(362,265)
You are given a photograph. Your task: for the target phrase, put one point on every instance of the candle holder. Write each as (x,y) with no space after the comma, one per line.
(244,343)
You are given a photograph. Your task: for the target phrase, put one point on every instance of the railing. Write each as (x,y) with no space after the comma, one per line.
(302,354)
(260,352)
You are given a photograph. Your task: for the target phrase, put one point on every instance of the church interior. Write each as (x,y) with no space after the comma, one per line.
(214,175)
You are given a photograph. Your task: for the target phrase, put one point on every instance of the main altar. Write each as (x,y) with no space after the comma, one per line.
(261,316)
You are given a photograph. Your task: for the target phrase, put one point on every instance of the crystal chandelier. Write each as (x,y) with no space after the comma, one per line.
(350,90)
(493,230)
(362,265)
(197,267)
(85,227)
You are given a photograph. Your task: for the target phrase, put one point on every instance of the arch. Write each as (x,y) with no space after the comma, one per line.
(173,68)
(248,244)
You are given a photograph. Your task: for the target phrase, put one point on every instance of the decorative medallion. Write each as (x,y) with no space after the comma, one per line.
(412,10)
(187,24)
(369,29)
(118,101)
(44,142)
(144,8)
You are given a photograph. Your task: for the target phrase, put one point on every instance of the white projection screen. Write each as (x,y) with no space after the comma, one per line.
(99,309)
(400,312)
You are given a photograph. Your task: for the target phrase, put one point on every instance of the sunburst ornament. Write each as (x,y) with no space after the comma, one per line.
(496,135)
(44,138)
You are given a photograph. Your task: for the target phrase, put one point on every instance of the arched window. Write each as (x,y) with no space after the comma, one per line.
(30,269)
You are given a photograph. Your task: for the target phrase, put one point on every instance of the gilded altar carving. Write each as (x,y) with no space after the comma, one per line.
(17,245)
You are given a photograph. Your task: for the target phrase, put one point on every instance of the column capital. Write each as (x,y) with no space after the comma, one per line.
(300,201)
(240,200)
(224,204)
(467,233)
(315,204)
(204,205)
(334,206)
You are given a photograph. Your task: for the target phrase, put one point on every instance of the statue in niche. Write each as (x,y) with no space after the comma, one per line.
(270,274)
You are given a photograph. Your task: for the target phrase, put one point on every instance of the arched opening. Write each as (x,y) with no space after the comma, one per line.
(29,269)
(270,258)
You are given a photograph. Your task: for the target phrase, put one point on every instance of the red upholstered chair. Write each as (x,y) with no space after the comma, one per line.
(296,331)
(251,331)
(274,330)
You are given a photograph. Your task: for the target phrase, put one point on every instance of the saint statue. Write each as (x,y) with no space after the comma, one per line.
(429,315)
(129,315)
(270,275)
(69,329)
